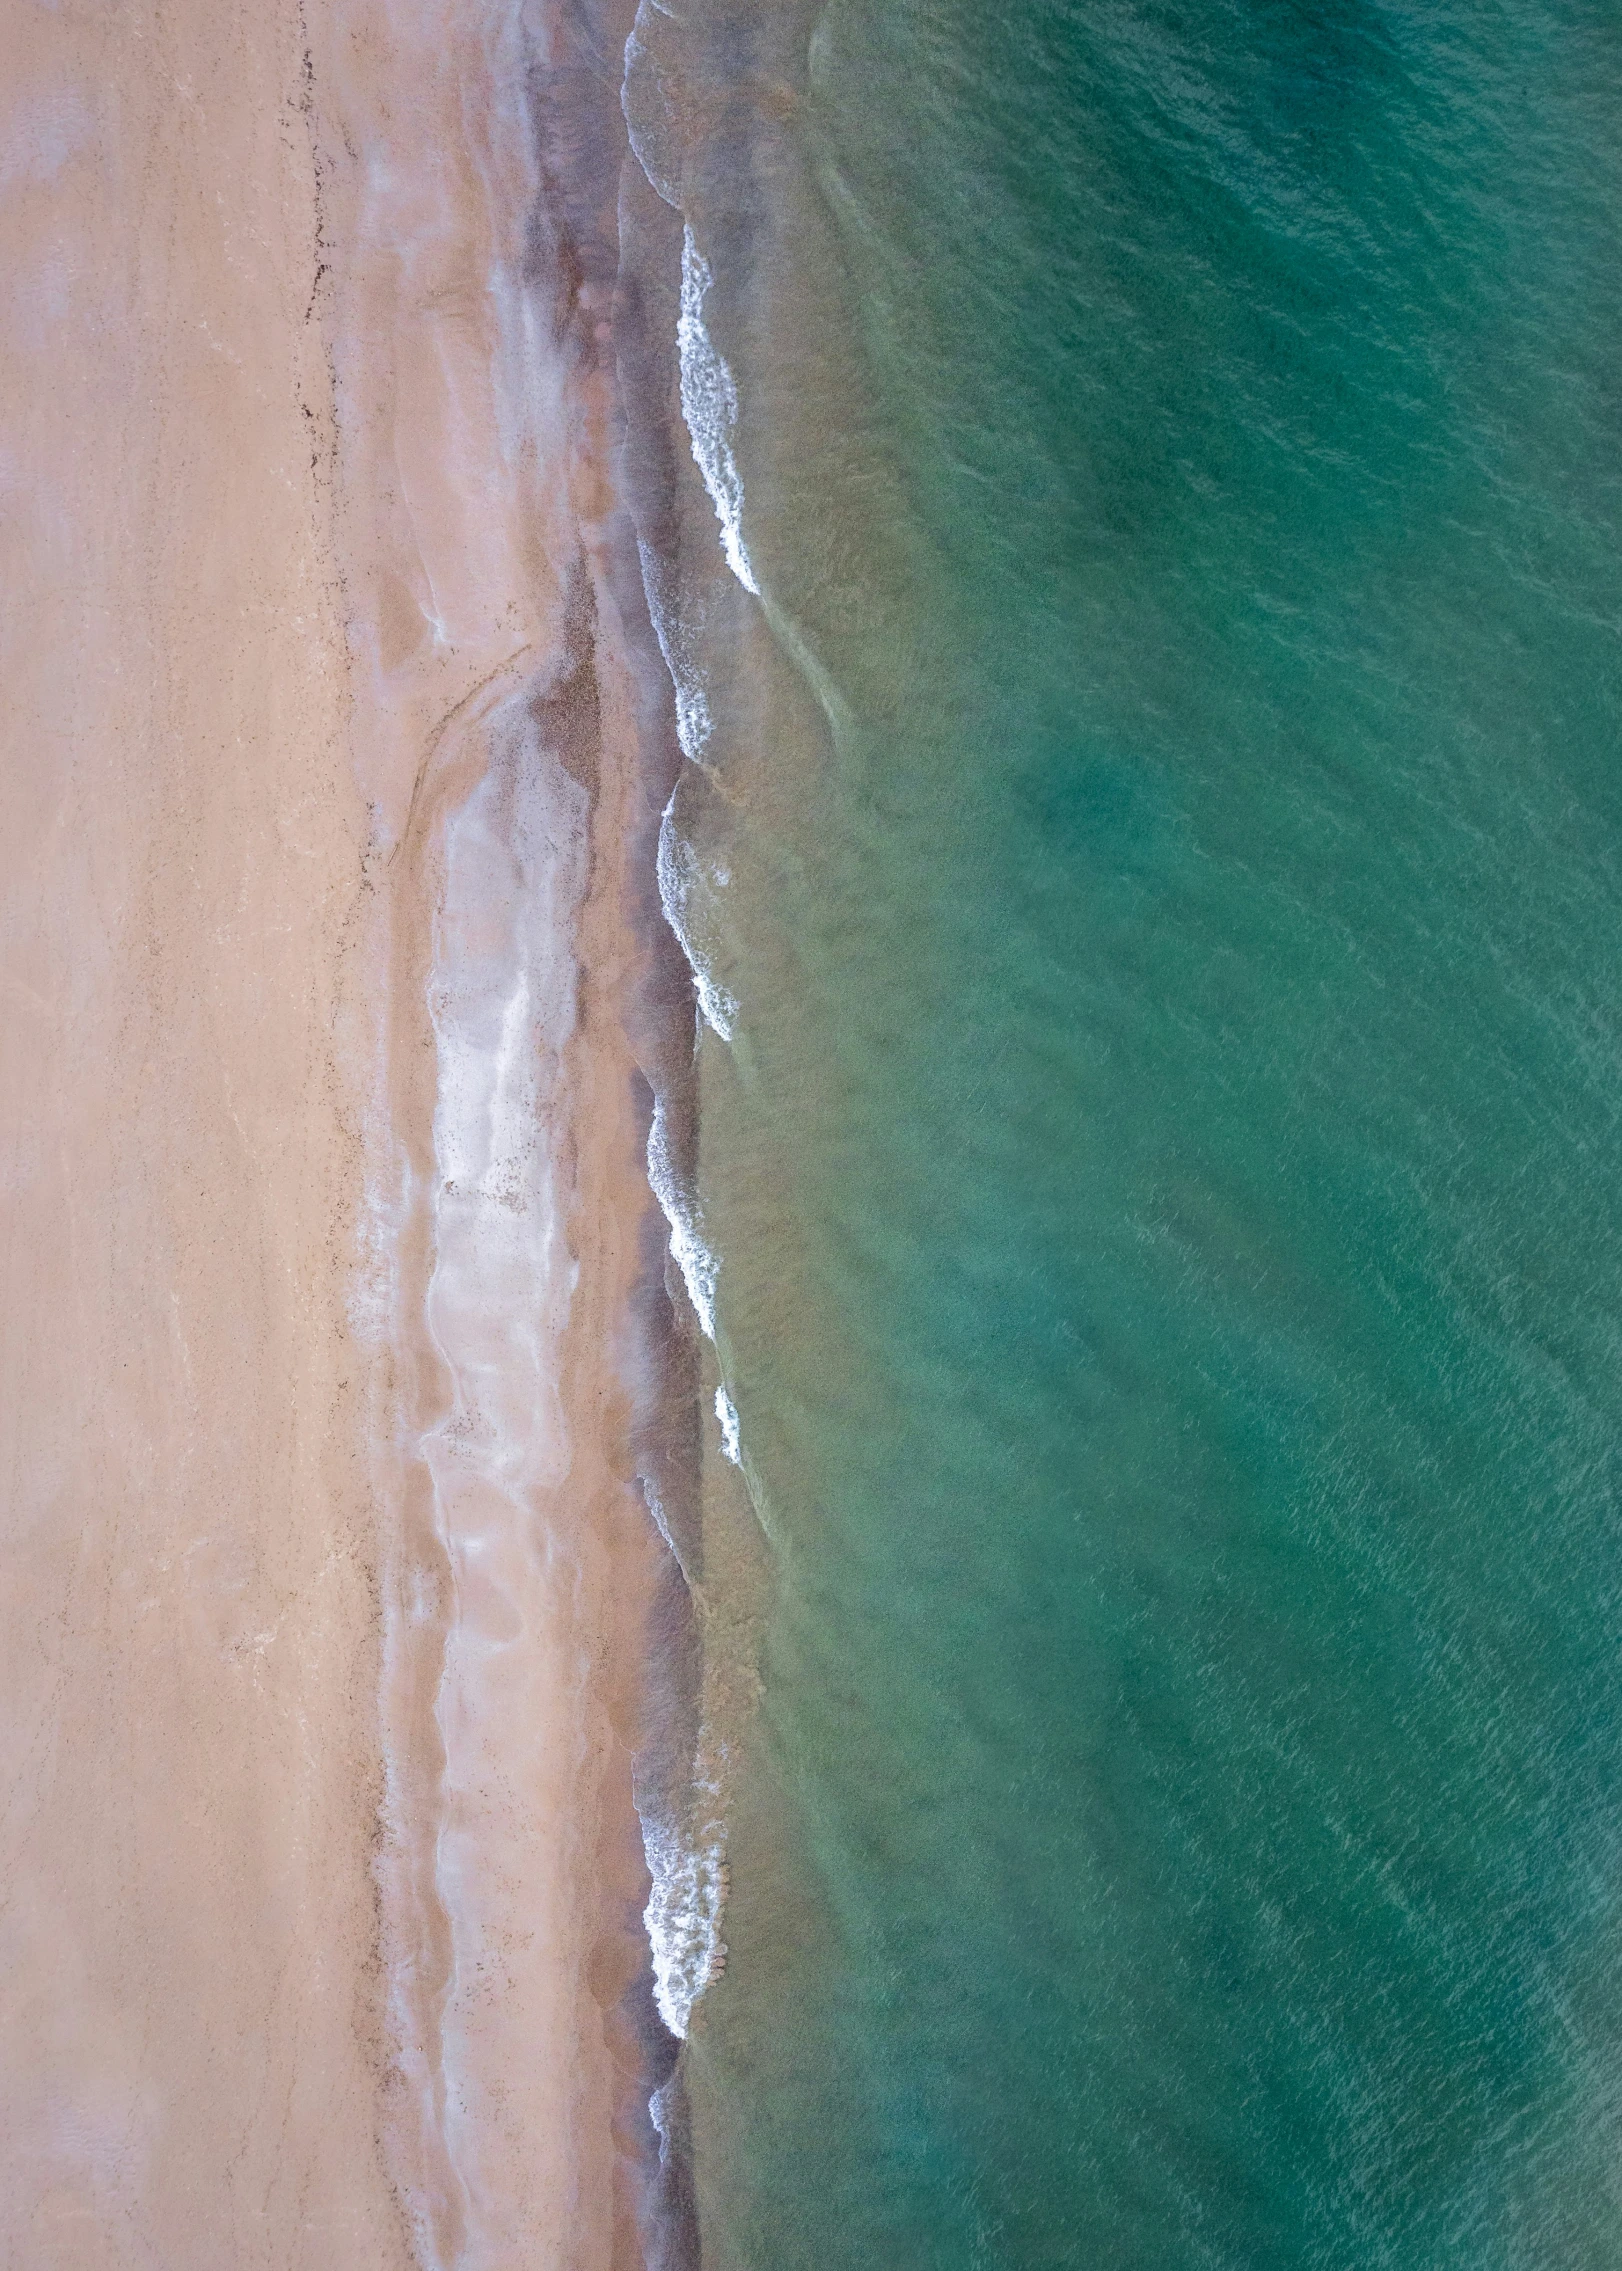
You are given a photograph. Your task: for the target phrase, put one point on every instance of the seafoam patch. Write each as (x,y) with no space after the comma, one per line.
(726,1411)
(709,403)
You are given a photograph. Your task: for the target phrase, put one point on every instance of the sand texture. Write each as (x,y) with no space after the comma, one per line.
(319,1878)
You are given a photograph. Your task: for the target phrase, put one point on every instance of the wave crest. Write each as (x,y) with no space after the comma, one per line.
(683,1915)
(698,1265)
(681,877)
(709,403)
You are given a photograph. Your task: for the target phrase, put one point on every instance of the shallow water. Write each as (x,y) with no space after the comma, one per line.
(1160,854)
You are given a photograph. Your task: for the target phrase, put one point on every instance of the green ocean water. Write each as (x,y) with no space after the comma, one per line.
(1166,1174)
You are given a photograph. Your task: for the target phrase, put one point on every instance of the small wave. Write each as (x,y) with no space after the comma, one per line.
(709,403)
(693,722)
(698,1265)
(679,877)
(726,1411)
(659,2105)
(683,1917)
(656,1507)
(646,106)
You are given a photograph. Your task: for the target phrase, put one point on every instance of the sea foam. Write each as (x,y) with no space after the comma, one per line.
(726,1411)
(693,721)
(646,106)
(698,1265)
(709,403)
(683,1915)
(681,878)
(685,1845)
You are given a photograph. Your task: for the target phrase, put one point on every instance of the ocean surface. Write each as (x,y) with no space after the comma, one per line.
(1146,611)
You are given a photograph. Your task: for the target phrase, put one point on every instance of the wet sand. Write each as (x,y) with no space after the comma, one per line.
(325,1579)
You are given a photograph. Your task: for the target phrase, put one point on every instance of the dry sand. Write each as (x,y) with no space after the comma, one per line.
(319,1880)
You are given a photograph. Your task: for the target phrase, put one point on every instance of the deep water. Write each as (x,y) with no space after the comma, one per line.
(1166,1177)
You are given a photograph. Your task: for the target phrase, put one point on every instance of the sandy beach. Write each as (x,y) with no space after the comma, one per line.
(326,1574)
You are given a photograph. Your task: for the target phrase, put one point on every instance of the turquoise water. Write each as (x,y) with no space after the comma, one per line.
(1165,1178)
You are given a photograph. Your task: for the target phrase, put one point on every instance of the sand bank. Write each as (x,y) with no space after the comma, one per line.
(319,1884)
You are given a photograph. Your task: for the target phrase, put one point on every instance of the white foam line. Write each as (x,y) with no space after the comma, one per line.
(726,1411)
(683,1919)
(698,1265)
(683,1915)
(709,403)
(679,878)
(693,722)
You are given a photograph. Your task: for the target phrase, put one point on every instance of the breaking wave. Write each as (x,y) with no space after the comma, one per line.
(685,1843)
(698,1265)
(693,722)
(683,1915)
(709,403)
(680,877)
(726,1411)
